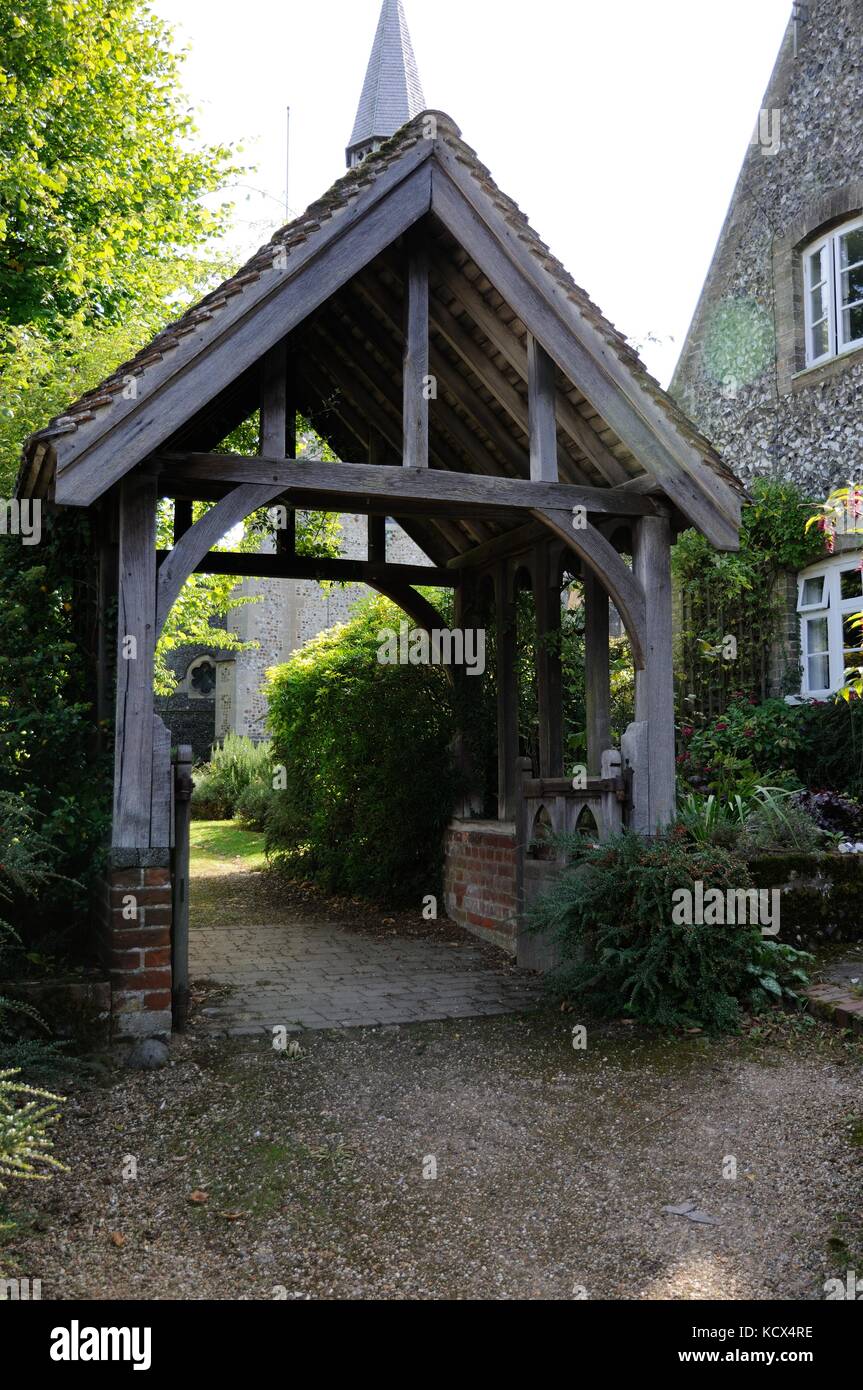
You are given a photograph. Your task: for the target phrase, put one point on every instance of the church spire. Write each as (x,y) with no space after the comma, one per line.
(392,92)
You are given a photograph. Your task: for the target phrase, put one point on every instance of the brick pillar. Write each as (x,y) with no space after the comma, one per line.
(136,947)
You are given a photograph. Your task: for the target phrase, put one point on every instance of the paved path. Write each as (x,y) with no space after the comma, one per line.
(307,974)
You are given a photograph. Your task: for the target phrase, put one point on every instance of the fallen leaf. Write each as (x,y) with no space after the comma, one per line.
(118,1239)
(198,1197)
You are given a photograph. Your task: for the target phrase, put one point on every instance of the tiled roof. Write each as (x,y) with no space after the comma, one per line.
(350,186)
(392,92)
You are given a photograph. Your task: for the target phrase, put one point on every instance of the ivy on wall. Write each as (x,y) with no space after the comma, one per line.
(735,596)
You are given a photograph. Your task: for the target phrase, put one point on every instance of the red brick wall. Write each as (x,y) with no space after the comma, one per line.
(134,923)
(479,880)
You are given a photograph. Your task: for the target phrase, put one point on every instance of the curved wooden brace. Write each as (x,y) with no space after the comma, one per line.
(618,581)
(424,614)
(199,540)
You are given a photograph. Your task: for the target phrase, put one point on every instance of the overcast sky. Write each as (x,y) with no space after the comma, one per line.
(618,126)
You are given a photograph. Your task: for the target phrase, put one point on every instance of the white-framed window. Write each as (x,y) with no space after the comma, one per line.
(829,597)
(833,293)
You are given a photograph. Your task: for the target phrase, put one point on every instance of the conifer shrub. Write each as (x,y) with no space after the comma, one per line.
(622,954)
(371,779)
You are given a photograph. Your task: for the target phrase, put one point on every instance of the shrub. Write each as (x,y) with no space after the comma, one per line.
(26,1116)
(611,912)
(236,764)
(832,812)
(371,780)
(255,805)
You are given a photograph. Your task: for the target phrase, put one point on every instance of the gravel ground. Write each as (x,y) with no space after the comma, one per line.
(261,1175)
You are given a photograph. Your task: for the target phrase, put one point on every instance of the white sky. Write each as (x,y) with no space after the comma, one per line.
(619,127)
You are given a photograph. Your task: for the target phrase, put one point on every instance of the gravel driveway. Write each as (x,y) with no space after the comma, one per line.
(261,1175)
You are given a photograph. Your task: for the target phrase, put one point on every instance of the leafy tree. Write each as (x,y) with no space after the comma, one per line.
(102,170)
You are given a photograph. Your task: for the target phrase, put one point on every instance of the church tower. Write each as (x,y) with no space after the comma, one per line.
(392,92)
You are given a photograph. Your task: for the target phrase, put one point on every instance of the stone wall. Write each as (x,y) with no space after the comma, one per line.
(741,374)
(480,880)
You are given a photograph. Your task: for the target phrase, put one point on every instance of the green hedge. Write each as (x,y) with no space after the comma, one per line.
(371,779)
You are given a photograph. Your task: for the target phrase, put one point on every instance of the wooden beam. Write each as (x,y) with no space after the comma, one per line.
(543,425)
(262,566)
(206,532)
(599,555)
(136,647)
(415,414)
(182,517)
(469,491)
(377,549)
(253,323)
(506,649)
(654,685)
(611,387)
(274,404)
(511,451)
(504,341)
(510,543)
(597,679)
(549,676)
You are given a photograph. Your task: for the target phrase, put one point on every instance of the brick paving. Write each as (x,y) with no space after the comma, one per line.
(306,974)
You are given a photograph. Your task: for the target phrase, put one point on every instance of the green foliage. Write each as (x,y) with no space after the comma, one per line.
(735,595)
(611,913)
(237,763)
(51,759)
(255,804)
(26,1118)
(367,750)
(812,744)
(102,170)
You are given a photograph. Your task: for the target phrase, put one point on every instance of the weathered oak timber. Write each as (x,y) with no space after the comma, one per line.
(415,365)
(654,684)
(305,284)
(543,424)
(402,485)
(510,543)
(507,693)
(509,346)
(549,677)
(263,566)
(597,676)
(630,412)
(197,542)
(136,647)
(600,556)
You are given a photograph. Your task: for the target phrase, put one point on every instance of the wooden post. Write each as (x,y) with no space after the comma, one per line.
(183,787)
(136,644)
(549,682)
(278,434)
(377,549)
(415,417)
(541,413)
(182,517)
(597,675)
(654,686)
(507,694)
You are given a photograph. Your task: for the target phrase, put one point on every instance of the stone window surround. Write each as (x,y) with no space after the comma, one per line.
(818,218)
(206,659)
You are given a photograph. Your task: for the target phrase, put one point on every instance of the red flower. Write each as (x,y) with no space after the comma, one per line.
(721,726)
(748,733)
(687,731)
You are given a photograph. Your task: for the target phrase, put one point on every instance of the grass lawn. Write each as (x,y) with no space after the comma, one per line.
(220,847)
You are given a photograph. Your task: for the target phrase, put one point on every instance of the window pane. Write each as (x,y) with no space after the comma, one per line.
(851,247)
(852,285)
(816,303)
(813,592)
(851,582)
(852,639)
(852,324)
(818,267)
(816,635)
(819,673)
(819,339)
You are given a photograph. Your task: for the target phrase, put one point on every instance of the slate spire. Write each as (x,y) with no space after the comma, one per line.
(392,92)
